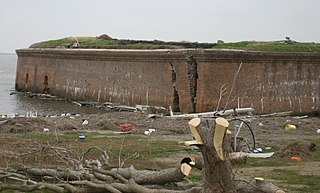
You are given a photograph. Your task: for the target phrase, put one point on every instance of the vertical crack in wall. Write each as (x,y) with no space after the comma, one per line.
(175,102)
(192,67)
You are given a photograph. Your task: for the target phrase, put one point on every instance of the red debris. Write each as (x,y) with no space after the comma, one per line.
(126,127)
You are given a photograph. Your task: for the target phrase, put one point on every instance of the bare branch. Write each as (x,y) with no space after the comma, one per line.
(233,83)
(221,95)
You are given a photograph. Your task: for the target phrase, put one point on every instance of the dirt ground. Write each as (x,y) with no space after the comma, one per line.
(268,131)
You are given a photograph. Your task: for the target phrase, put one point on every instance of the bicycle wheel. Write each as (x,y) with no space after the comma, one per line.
(243,139)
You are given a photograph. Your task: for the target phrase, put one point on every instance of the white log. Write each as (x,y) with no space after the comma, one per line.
(216,113)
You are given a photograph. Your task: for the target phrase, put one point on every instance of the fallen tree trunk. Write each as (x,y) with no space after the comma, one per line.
(151,177)
(132,186)
(258,186)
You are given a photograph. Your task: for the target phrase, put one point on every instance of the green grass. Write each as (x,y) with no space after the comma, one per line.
(92,42)
(294,182)
(125,145)
(271,46)
(152,155)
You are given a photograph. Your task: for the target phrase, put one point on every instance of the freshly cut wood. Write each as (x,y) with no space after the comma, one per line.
(193,123)
(219,132)
(185,169)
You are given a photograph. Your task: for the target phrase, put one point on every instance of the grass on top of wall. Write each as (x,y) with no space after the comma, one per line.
(280,46)
(96,43)
(100,43)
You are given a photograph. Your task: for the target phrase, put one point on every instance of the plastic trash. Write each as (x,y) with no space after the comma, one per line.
(318,131)
(82,137)
(45,130)
(126,127)
(295,158)
(85,122)
(149,131)
(289,127)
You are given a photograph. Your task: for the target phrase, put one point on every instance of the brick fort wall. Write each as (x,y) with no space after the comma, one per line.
(189,80)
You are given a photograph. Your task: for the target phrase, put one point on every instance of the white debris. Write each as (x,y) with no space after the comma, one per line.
(85,122)
(260,155)
(257,150)
(149,131)
(45,130)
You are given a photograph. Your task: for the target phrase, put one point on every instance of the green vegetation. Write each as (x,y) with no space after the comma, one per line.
(96,43)
(295,182)
(153,154)
(109,43)
(272,46)
(150,152)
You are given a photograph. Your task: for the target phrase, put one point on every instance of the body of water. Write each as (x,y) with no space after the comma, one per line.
(22,104)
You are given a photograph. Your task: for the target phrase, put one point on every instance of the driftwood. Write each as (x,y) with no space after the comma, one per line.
(286,113)
(235,111)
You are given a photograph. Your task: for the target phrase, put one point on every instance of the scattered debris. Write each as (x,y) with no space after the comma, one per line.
(289,127)
(3,122)
(301,117)
(82,137)
(32,114)
(260,155)
(85,122)
(295,158)
(142,107)
(126,127)
(149,131)
(257,150)
(124,108)
(46,130)
(280,114)
(235,111)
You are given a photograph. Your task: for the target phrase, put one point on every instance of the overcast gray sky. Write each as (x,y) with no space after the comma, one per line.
(24,22)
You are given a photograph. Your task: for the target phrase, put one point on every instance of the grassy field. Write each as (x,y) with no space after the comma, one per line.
(150,153)
(93,42)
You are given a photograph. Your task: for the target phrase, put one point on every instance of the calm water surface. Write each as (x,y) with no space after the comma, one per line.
(21,104)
